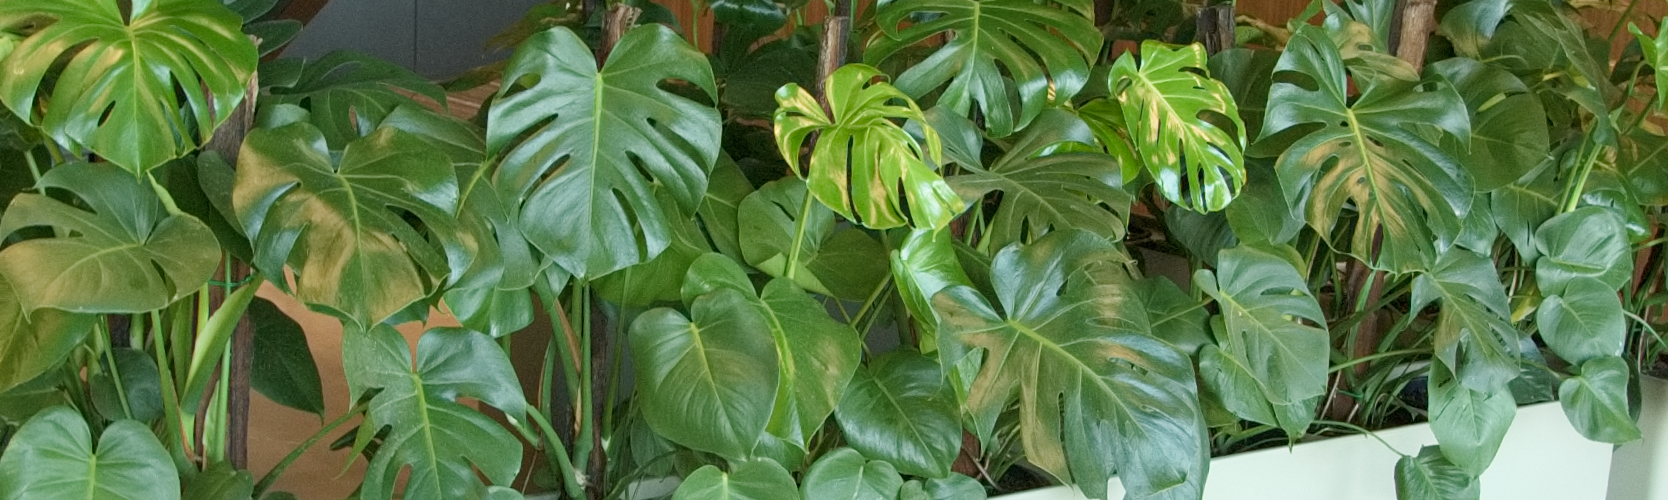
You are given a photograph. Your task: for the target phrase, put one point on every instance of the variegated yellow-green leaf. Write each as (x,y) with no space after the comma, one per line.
(1169,103)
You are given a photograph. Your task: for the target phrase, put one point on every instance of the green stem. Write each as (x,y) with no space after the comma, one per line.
(34,166)
(1588,156)
(799,233)
(870,302)
(278,470)
(170,400)
(163,196)
(570,480)
(102,339)
(52,151)
(1359,429)
(1621,20)
(1374,357)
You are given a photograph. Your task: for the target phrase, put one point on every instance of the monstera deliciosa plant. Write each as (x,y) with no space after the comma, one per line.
(1041,253)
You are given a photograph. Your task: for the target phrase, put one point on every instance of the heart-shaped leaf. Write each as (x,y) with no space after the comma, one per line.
(840,262)
(1583,322)
(441,442)
(53,456)
(1655,52)
(1475,337)
(584,148)
(1430,476)
(863,158)
(844,474)
(900,409)
(750,480)
(816,356)
(707,381)
(340,224)
(1596,401)
(1469,424)
(1169,101)
(117,73)
(1048,183)
(124,253)
(1267,331)
(996,49)
(1589,242)
(1072,347)
(1401,185)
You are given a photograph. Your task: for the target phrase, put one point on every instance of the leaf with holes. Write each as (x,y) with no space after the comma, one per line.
(584,148)
(53,456)
(840,262)
(1048,183)
(1173,109)
(441,443)
(996,50)
(1359,152)
(1073,349)
(1266,332)
(340,224)
(123,253)
(137,88)
(1475,337)
(864,165)
(348,94)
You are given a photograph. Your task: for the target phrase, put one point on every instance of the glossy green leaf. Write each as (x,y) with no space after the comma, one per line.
(136,395)
(707,381)
(1095,391)
(750,480)
(1268,331)
(1583,322)
(955,487)
(33,343)
(1170,102)
(841,262)
(220,482)
(900,409)
(1048,184)
(1589,242)
(996,50)
(1261,213)
(844,474)
(924,264)
(53,457)
(816,356)
(1508,125)
(1247,74)
(340,223)
(1642,158)
(583,148)
(1655,52)
(1363,154)
(104,75)
(23,401)
(438,441)
(122,253)
(1596,401)
(1430,476)
(1521,207)
(349,93)
(864,166)
(1475,337)
(1469,424)
(1175,316)
(282,366)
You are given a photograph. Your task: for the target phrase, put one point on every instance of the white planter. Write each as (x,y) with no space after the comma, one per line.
(1543,458)
(1640,471)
